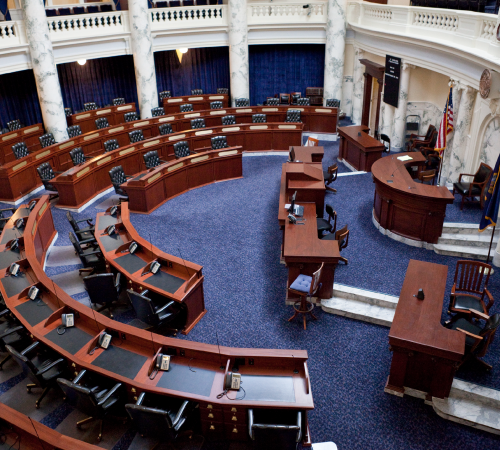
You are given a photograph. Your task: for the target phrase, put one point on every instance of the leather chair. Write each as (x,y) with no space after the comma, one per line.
(85,233)
(327,224)
(272,101)
(240,102)
(118,101)
(78,10)
(219,142)
(20,150)
(305,286)
(470,289)
(101,123)
(285,99)
(274,429)
(158,111)
(223,91)
(422,139)
(3,219)
(259,118)
(303,101)
(162,4)
(197,123)
(165,94)
(181,149)
(90,106)
(14,125)
(74,131)
(91,258)
(46,174)
(427,175)
(110,145)
(136,136)
(294,97)
(330,175)
(342,236)
(131,116)
(477,188)
(187,107)
(103,289)
(118,177)
(11,333)
(106,8)
(97,402)
(68,112)
(165,128)
(293,115)
(51,12)
(196,91)
(228,120)
(386,140)
(152,160)
(332,103)
(64,11)
(46,140)
(160,417)
(77,156)
(43,369)
(216,105)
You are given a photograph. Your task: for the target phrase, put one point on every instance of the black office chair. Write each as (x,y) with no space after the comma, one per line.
(85,233)
(293,115)
(118,177)
(131,116)
(97,402)
(228,120)
(332,103)
(106,8)
(110,145)
(11,333)
(223,91)
(160,417)
(342,236)
(152,160)
(196,91)
(46,140)
(386,140)
(103,289)
(330,175)
(90,106)
(101,123)
(303,101)
(259,118)
(74,131)
(136,136)
(43,369)
(327,224)
(68,112)
(272,429)
(14,125)
(20,150)
(165,94)
(197,123)
(285,98)
(77,156)
(158,111)
(118,101)
(46,174)
(4,219)
(240,102)
(91,258)
(181,149)
(165,128)
(294,98)
(219,142)
(216,105)
(273,101)
(187,107)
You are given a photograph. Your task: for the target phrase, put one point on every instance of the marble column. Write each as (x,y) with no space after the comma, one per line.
(44,68)
(398,129)
(358,83)
(238,49)
(495,253)
(387,123)
(335,50)
(142,50)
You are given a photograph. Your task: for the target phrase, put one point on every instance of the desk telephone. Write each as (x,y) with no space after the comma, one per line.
(32,205)
(14,270)
(14,244)
(113,210)
(132,248)
(110,230)
(163,362)
(33,293)
(232,381)
(68,320)
(154,266)
(19,223)
(104,340)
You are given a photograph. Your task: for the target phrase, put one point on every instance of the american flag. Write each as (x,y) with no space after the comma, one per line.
(446,124)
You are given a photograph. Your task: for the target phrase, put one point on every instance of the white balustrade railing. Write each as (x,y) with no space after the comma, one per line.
(12,33)
(188,17)
(282,13)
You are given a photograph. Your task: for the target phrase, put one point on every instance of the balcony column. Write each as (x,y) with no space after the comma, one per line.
(142,50)
(238,49)
(334,50)
(398,130)
(358,83)
(44,68)
(387,126)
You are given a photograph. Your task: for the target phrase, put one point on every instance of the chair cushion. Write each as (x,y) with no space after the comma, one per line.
(463,189)
(323,224)
(464,324)
(302,283)
(468,302)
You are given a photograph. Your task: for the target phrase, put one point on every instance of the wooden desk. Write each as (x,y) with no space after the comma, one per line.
(200,102)
(308,154)
(425,354)
(359,151)
(29,135)
(114,114)
(402,206)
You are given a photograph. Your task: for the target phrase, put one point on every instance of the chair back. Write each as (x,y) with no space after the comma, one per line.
(279,430)
(219,142)
(14,125)
(101,288)
(68,111)
(20,150)
(77,156)
(239,102)
(483,174)
(332,214)
(332,103)
(488,333)
(181,149)
(303,101)
(143,307)
(434,137)
(229,120)
(46,140)
(150,421)
(151,159)
(77,247)
(285,99)
(165,94)
(26,364)
(110,145)
(72,221)
(196,91)
(272,101)
(293,115)
(74,131)
(472,277)
(117,176)
(216,105)
(118,101)
(165,128)
(80,397)
(197,123)
(158,111)
(187,107)
(430,130)
(315,280)
(101,123)
(295,97)
(45,171)
(386,140)
(131,116)
(342,236)
(89,106)
(259,118)
(427,175)
(136,136)
(224,91)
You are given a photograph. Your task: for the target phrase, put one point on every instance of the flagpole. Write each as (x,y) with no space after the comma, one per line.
(491,242)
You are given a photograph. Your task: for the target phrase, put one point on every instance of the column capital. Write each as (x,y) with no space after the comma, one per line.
(359,51)
(408,66)
(495,107)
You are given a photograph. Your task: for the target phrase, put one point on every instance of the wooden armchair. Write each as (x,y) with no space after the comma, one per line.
(330,176)
(476,188)
(421,140)
(342,236)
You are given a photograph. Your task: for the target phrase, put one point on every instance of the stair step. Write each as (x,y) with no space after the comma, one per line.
(461,251)
(467,228)
(468,240)
(341,291)
(359,310)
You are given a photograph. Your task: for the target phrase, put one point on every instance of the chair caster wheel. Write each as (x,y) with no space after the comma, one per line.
(37,405)
(99,438)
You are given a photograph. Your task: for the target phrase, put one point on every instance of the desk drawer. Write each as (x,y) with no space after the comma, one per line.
(235,432)
(235,417)
(211,415)
(212,406)
(213,430)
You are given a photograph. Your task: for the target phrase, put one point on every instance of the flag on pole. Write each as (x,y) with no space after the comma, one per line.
(446,126)
(492,200)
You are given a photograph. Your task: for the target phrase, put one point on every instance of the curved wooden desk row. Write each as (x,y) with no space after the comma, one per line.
(272,378)
(80,184)
(87,119)
(29,135)
(172,105)
(404,207)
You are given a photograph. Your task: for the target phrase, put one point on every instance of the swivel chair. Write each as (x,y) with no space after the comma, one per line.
(152,160)
(332,103)
(197,123)
(259,118)
(158,111)
(118,101)
(228,120)
(77,156)
(165,128)
(219,142)
(118,177)
(12,333)
(46,174)
(223,91)
(216,105)
(103,289)
(20,150)
(241,102)
(187,107)
(101,123)
(330,175)
(90,106)
(92,260)
(74,131)
(303,101)
(476,188)
(83,234)
(342,236)
(274,429)
(165,94)
(131,116)
(136,136)
(110,145)
(327,224)
(14,125)
(293,115)
(46,140)
(181,149)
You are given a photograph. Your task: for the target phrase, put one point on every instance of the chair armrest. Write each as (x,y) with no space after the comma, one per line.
(464,175)
(50,366)
(478,314)
(140,399)
(475,336)
(86,241)
(109,394)
(4,312)
(490,299)
(81,232)
(165,306)
(93,253)
(250,424)
(8,209)
(163,162)
(80,376)
(4,219)
(84,220)
(180,413)
(31,347)
(12,331)
(117,280)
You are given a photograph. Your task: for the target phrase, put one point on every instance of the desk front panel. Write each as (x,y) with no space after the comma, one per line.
(114,114)
(29,135)
(200,102)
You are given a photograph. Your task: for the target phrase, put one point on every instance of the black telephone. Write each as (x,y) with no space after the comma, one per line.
(113,210)
(33,293)
(132,248)
(162,362)
(110,230)
(14,270)
(32,205)
(292,219)
(19,223)
(14,244)
(104,340)
(232,381)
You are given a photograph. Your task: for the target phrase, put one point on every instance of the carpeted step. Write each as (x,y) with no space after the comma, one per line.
(462,251)
(468,240)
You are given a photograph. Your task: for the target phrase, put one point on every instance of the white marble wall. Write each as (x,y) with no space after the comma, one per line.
(335,49)
(44,68)
(386,121)
(238,50)
(430,114)
(490,146)
(346,104)
(144,63)
(399,118)
(358,83)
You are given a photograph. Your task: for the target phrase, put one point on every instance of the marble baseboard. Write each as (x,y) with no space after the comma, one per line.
(348,174)
(332,137)
(461,251)
(468,240)
(47,253)
(351,168)
(86,205)
(24,197)
(366,296)
(270,153)
(359,311)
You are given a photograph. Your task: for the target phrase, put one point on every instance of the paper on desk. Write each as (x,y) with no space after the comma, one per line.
(405,158)
(287,205)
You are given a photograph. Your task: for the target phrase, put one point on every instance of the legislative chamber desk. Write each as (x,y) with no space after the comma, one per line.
(172,105)
(404,207)
(273,379)
(114,114)
(358,148)
(29,135)
(308,154)
(425,355)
